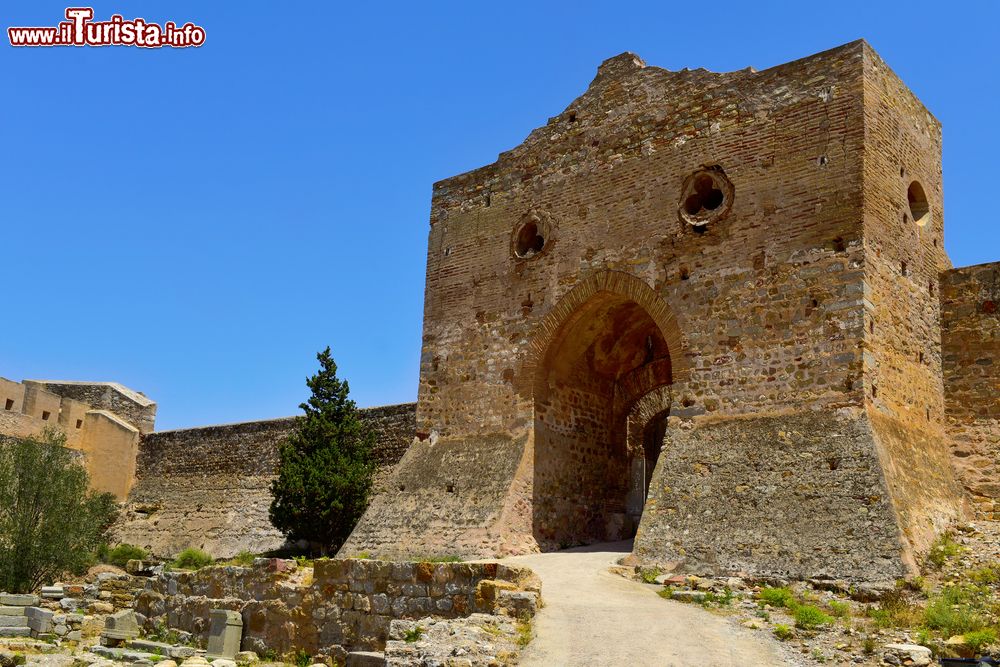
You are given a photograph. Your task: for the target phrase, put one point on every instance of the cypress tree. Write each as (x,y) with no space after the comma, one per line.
(325,466)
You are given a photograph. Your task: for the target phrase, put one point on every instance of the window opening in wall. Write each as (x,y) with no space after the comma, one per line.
(79,423)
(45,415)
(874,391)
(706,196)
(9,405)
(902,268)
(920,210)
(839,245)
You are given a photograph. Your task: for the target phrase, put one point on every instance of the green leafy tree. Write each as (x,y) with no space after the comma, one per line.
(50,523)
(326,466)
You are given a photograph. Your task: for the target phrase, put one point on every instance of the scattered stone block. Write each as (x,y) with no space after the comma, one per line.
(119,628)
(53,592)
(181,652)
(246,657)
(70,604)
(225,633)
(223,662)
(149,646)
(13,600)
(101,608)
(39,620)
(365,659)
(910,654)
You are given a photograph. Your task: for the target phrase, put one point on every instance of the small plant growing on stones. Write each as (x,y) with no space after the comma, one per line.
(839,609)
(667,593)
(413,634)
(191,559)
(649,575)
(943,549)
(808,617)
(776,597)
(868,645)
(783,632)
(243,559)
(979,639)
(300,658)
(524,632)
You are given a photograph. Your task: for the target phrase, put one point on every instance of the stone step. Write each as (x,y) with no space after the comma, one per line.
(11,611)
(13,600)
(15,632)
(13,621)
(122,654)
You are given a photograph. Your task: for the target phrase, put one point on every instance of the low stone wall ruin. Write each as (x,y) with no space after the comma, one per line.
(338,605)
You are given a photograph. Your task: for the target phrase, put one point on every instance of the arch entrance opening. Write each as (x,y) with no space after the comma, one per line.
(592,456)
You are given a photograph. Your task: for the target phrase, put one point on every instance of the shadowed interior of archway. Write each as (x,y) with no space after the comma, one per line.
(605,351)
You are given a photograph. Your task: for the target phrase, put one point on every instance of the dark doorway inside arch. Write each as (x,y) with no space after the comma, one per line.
(652,443)
(604,356)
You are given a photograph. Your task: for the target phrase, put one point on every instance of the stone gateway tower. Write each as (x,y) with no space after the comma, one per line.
(695,309)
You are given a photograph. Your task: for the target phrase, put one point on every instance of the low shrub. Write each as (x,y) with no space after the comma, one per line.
(783,632)
(123,553)
(413,635)
(839,609)
(777,597)
(809,617)
(979,639)
(192,559)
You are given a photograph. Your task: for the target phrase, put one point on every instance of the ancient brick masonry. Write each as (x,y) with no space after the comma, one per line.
(698,308)
(970,303)
(209,487)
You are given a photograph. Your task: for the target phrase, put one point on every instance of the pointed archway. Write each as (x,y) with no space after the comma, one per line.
(610,349)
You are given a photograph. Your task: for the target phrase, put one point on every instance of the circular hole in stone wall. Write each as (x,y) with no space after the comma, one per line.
(531,235)
(529,241)
(706,196)
(920,210)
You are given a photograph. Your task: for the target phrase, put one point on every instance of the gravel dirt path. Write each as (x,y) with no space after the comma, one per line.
(595,618)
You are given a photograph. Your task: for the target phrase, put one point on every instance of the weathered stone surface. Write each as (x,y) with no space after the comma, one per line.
(639,266)
(11,600)
(15,632)
(365,659)
(347,602)
(910,654)
(192,483)
(970,339)
(224,634)
(121,626)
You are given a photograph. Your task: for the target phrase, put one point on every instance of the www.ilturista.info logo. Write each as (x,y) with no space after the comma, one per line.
(80,30)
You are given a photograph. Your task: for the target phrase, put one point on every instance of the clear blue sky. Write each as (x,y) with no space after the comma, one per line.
(197,223)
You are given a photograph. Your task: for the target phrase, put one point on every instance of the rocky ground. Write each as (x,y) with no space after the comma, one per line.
(951,611)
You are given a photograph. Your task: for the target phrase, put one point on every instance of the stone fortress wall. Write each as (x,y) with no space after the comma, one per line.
(745,263)
(970,333)
(710,311)
(209,487)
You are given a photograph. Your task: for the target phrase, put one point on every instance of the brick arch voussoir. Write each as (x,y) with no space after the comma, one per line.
(616,282)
